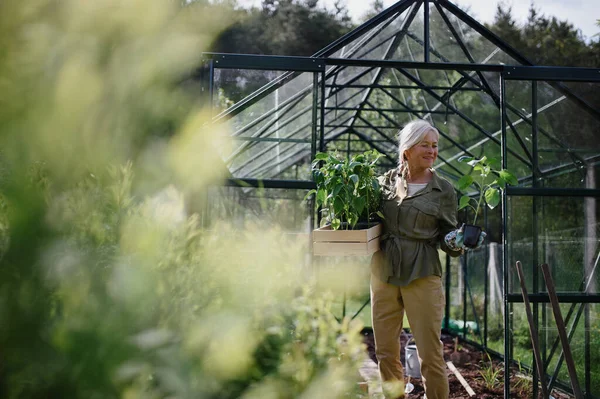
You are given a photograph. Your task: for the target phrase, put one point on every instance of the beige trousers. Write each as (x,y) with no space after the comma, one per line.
(423,300)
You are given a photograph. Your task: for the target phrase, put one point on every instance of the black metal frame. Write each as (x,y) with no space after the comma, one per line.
(555,75)
(354,79)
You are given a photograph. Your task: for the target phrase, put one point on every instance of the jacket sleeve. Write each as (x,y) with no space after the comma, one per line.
(448,220)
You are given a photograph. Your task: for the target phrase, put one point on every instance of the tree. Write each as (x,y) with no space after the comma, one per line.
(286,27)
(545,40)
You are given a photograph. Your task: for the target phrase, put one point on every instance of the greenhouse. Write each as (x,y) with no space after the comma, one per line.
(428,59)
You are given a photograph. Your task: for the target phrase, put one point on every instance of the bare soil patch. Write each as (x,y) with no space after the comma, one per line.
(484,375)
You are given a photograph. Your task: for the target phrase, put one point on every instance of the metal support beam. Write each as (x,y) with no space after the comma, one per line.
(270,183)
(463,116)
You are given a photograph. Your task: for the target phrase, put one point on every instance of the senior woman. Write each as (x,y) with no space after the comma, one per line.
(420,209)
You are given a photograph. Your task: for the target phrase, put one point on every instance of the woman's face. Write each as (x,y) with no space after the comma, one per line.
(424,154)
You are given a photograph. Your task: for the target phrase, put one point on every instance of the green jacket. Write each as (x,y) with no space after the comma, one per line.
(412,229)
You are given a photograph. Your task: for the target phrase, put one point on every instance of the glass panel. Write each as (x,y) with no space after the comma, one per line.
(587,91)
(566,239)
(476,266)
(549,339)
(444,46)
(568,142)
(481,49)
(372,38)
(566,136)
(270,160)
(285,208)
(272,134)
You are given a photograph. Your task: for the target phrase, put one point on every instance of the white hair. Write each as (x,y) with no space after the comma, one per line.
(412,134)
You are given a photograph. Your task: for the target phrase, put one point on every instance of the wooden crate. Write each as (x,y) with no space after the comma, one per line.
(328,242)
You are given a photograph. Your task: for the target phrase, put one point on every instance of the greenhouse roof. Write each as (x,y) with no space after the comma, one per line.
(417,59)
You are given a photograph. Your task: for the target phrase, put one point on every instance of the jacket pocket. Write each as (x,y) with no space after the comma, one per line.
(426,220)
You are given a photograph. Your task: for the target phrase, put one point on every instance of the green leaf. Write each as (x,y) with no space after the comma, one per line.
(494,163)
(321,156)
(335,224)
(353,165)
(332,159)
(380,214)
(321,196)
(354,179)
(308,194)
(359,204)
(500,182)
(463,202)
(465,182)
(352,220)
(336,191)
(492,197)
(375,185)
(509,177)
(318,177)
(465,158)
(338,205)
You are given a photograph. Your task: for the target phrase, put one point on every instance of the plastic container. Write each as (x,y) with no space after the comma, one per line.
(412,367)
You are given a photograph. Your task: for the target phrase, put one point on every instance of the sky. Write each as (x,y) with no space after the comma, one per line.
(581,13)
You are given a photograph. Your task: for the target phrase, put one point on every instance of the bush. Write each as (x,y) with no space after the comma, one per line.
(109,287)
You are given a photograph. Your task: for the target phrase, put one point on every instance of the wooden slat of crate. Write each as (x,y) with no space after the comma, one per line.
(328,242)
(324,248)
(327,234)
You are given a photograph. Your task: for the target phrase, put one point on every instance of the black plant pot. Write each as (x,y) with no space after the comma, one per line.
(471,235)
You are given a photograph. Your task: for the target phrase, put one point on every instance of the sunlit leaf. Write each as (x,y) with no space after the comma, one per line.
(492,197)
(321,196)
(509,177)
(308,194)
(335,224)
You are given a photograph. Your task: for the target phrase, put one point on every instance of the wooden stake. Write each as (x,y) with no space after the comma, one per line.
(562,332)
(533,332)
(460,378)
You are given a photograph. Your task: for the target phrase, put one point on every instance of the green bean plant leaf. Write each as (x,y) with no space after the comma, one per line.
(347,189)
(489,181)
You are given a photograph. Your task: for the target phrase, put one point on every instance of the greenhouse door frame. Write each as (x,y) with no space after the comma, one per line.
(554,76)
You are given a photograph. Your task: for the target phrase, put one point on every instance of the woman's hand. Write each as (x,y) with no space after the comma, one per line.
(455,240)
(460,239)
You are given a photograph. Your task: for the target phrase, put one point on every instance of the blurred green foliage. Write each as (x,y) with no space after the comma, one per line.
(109,285)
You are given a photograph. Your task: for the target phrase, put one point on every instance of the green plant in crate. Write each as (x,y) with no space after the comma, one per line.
(347,189)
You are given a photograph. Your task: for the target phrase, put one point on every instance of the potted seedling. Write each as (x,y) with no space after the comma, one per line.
(349,196)
(490,182)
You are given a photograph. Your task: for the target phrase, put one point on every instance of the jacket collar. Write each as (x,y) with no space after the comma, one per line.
(393,178)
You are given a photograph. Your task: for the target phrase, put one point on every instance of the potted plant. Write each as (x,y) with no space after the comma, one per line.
(491,181)
(349,196)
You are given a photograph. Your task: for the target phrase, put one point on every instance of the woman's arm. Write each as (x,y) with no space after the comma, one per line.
(448,220)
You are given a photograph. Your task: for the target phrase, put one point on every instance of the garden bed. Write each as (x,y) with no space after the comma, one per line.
(484,376)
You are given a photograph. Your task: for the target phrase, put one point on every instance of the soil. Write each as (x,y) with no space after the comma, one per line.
(484,375)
